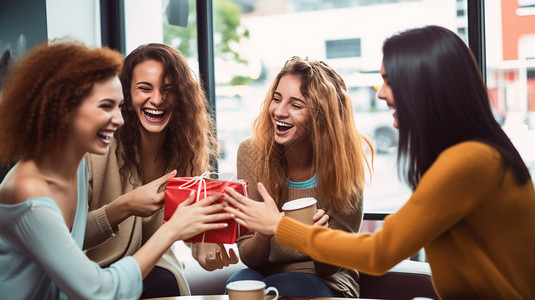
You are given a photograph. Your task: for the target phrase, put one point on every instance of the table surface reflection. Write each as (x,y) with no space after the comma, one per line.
(225,297)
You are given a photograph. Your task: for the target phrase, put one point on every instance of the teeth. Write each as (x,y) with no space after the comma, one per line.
(283,124)
(154,112)
(106,134)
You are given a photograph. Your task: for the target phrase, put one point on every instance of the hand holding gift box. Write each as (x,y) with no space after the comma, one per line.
(177,191)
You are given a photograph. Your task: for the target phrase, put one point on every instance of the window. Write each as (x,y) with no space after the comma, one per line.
(342,48)
(510,48)
(526,3)
(348,37)
(253,39)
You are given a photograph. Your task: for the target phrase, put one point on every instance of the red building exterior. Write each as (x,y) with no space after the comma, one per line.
(514,26)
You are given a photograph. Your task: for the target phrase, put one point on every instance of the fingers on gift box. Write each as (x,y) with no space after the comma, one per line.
(178,190)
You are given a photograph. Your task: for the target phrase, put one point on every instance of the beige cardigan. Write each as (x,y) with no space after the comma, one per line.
(283,259)
(105,244)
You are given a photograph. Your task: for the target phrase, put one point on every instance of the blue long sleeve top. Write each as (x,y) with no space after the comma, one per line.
(41,259)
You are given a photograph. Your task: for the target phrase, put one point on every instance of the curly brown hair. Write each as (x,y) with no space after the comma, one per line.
(190,141)
(41,91)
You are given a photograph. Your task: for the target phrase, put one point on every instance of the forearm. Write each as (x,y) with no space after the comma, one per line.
(117,211)
(350,222)
(103,222)
(98,229)
(149,254)
(255,251)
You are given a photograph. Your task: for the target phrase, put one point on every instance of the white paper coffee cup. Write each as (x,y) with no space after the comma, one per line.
(302,209)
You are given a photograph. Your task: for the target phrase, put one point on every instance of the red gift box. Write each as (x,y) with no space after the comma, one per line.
(178,190)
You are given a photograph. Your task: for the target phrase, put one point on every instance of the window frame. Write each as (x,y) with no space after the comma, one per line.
(113,35)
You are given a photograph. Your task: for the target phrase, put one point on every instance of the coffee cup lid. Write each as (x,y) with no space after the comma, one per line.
(299,203)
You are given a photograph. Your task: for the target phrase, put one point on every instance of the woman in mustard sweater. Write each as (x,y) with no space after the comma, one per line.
(473,201)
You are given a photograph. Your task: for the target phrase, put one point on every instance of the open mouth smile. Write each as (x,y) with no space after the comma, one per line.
(154,115)
(283,127)
(105,135)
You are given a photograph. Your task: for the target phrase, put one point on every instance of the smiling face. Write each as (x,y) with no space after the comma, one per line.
(385,93)
(97,117)
(151,94)
(289,112)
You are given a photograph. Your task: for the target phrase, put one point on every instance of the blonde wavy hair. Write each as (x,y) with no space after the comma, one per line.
(338,152)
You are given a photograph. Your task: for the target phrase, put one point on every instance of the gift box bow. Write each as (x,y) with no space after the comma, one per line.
(177,190)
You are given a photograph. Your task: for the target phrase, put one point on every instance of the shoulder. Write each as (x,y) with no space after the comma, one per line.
(21,187)
(246,160)
(247,152)
(246,146)
(471,152)
(468,161)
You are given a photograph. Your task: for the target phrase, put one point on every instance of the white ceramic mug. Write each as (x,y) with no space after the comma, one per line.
(249,290)
(302,209)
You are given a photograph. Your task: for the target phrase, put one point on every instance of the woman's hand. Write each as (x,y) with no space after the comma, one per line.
(321,218)
(191,218)
(262,217)
(143,201)
(213,256)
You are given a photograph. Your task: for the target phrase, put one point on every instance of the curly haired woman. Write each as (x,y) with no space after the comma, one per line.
(59,103)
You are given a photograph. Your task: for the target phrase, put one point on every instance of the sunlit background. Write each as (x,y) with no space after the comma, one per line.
(253,38)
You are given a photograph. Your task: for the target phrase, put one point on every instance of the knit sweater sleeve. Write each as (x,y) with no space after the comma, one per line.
(246,158)
(451,189)
(98,228)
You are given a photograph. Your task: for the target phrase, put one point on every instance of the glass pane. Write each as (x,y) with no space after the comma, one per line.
(255,37)
(511,71)
(172,22)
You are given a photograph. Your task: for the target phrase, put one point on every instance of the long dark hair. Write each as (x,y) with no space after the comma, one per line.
(441,100)
(190,140)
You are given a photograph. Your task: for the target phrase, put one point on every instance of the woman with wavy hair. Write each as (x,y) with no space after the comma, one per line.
(304,144)
(62,101)
(473,203)
(167,127)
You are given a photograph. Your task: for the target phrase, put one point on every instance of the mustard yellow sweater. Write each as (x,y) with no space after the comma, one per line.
(478,231)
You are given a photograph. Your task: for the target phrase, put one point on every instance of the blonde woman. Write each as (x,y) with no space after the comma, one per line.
(304,144)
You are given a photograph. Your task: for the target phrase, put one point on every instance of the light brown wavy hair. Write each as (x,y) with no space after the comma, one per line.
(42,90)
(190,142)
(338,153)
